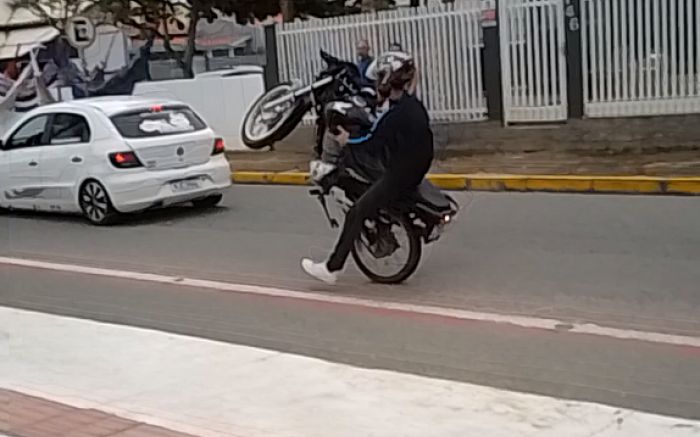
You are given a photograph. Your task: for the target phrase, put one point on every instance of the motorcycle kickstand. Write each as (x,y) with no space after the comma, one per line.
(324,204)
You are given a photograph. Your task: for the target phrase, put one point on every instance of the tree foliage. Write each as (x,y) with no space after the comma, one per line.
(158,18)
(53,12)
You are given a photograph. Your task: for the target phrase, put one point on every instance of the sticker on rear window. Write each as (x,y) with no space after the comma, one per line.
(167,121)
(176,122)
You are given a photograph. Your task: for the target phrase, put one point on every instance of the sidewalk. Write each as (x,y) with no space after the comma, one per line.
(671,172)
(213,389)
(656,146)
(668,164)
(29,416)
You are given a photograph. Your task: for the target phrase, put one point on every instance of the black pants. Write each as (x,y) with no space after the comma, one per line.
(386,190)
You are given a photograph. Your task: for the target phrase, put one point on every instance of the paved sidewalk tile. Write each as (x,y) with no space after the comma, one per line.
(28,416)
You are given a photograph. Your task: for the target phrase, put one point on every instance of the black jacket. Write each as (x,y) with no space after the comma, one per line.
(402,139)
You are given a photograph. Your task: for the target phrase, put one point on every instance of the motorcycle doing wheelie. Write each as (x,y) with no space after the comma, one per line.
(279,111)
(390,245)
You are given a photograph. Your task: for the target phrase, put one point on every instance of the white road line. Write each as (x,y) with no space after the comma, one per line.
(520,321)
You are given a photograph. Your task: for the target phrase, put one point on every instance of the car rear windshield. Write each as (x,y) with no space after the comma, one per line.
(157,121)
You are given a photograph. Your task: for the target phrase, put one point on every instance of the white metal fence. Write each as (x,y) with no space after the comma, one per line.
(641,57)
(446,41)
(533,60)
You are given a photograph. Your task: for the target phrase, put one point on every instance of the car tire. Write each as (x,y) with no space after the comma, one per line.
(208,202)
(96,204)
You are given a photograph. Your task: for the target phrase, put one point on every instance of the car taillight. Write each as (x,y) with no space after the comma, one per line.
(124,160)
(219,146)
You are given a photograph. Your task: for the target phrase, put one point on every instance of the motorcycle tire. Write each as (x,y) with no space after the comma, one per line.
(411,265)
(301,107)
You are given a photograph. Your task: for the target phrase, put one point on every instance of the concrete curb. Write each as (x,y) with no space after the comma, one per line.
(523,183)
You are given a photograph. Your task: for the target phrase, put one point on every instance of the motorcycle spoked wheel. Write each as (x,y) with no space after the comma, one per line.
(388,253)
(282,124)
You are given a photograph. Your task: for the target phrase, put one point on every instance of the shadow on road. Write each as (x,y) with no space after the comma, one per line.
(162,216)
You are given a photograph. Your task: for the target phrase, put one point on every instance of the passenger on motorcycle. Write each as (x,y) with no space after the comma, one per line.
(366,109)
(405,139)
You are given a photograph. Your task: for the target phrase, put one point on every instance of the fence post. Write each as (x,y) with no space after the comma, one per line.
(272,76)
(492,59)
(574,58)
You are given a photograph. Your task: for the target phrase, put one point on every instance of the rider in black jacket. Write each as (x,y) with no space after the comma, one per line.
(404,133)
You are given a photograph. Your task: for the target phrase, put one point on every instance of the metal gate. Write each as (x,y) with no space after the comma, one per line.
(533,59)
(445,39)
(640,58)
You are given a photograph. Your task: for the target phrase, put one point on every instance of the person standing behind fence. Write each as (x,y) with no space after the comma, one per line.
(364,60)
(35,91)
(27,97)
(8,75)
(8,90)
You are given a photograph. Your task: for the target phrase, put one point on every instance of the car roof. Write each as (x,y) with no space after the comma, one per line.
(115,104)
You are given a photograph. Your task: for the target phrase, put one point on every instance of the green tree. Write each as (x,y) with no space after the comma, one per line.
(52,12)
(156,18)
(159,17)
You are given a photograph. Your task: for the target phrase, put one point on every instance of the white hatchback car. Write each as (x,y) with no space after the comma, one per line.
(111,155)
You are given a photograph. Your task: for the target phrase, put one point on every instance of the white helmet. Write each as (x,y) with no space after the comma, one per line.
(392,67)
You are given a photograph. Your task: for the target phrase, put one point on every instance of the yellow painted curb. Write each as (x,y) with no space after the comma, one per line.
(450,182)
(533,183)
(290,178)
(683,186)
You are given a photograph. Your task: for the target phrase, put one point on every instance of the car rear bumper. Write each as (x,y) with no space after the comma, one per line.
(143,189)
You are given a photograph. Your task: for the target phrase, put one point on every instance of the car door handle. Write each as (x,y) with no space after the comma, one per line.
(76,159)
(33,163)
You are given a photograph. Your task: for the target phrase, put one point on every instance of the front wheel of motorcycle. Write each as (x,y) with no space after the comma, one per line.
(273,116)
(389,251)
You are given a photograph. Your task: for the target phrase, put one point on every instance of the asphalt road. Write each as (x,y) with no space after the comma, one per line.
(613,260)
(651,377)
(629,261)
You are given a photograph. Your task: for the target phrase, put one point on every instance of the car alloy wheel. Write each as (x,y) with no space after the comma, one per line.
(95,203)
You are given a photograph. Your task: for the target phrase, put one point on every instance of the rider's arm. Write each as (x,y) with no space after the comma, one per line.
(413,86)
(379,134)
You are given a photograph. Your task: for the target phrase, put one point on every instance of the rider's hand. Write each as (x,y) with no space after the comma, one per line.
(342,137)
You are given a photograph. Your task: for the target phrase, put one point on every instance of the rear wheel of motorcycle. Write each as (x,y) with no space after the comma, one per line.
(415,251)
(282,127)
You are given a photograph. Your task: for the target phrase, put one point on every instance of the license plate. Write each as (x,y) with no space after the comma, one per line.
(188,185)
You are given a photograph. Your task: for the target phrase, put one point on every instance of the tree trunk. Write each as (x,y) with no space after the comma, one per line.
(287,8)
(375,5)
(178,56)
(188,57)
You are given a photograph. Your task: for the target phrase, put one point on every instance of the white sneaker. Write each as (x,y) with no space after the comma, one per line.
(319,271)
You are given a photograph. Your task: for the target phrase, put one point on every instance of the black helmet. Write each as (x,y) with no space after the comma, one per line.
(393,69)
(350,116)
